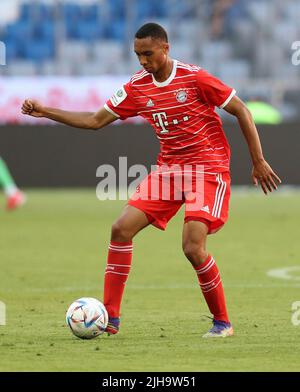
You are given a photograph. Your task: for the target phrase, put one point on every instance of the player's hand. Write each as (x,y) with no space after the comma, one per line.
(262,173)
(32,108)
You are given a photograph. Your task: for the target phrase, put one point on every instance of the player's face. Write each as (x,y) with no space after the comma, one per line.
(152,53)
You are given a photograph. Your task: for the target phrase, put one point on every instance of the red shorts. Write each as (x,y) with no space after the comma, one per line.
(206,199)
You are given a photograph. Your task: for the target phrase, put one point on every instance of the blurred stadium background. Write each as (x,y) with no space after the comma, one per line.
(245,42)
(73,55)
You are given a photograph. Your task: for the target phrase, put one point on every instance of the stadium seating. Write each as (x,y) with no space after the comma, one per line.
(73,37)
(41,25)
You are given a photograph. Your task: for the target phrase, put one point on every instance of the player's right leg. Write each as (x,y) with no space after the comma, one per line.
(130,222)
(142,210)
(15,198)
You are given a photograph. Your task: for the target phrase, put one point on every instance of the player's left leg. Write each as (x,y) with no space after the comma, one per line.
(194,247)
(15,198)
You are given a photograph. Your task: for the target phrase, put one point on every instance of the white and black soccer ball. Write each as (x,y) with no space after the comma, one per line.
(87,318)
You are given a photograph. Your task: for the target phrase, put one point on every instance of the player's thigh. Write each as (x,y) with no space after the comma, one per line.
(194,234)
(131,221)
(212,204)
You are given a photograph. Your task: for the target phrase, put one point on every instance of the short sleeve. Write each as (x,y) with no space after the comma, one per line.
(121,103)
(212,90)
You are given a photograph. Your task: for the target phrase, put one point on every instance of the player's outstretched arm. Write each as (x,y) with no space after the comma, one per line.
(87,120)
(262,172)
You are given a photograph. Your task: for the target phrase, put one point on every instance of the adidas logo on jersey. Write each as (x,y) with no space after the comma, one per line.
(205,209)
(150,103)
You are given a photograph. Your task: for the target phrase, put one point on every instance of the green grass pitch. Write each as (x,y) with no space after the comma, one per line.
(53,251)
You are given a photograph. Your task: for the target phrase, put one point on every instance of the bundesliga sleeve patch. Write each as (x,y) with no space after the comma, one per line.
(118,97)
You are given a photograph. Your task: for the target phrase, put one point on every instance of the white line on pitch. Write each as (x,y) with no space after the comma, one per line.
(150,287)
(285,273)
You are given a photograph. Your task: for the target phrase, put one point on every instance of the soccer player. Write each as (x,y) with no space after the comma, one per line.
(178,100)
(15,198)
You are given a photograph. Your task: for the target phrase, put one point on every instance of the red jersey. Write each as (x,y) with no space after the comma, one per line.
(182,111)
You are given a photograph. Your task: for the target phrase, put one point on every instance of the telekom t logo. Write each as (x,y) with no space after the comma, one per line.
(161,117)
(163,121)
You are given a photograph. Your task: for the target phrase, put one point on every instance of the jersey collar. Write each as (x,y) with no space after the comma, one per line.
(170,78)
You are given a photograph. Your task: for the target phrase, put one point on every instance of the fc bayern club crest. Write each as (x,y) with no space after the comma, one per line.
(181,96)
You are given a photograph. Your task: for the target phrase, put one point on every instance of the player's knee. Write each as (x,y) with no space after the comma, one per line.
(195,253)
(119,233)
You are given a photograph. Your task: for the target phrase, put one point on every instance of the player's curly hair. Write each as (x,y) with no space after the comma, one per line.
(153,30)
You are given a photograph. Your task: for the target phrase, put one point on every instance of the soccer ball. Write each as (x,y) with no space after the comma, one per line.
(87,318)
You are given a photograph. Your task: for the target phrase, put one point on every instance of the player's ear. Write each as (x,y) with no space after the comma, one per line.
(166,47)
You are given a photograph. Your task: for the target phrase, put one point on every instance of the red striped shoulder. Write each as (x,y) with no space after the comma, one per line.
(138,76)
(188,67)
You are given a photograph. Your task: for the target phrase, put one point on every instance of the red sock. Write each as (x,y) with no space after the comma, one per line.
(212,289)
(116,274)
